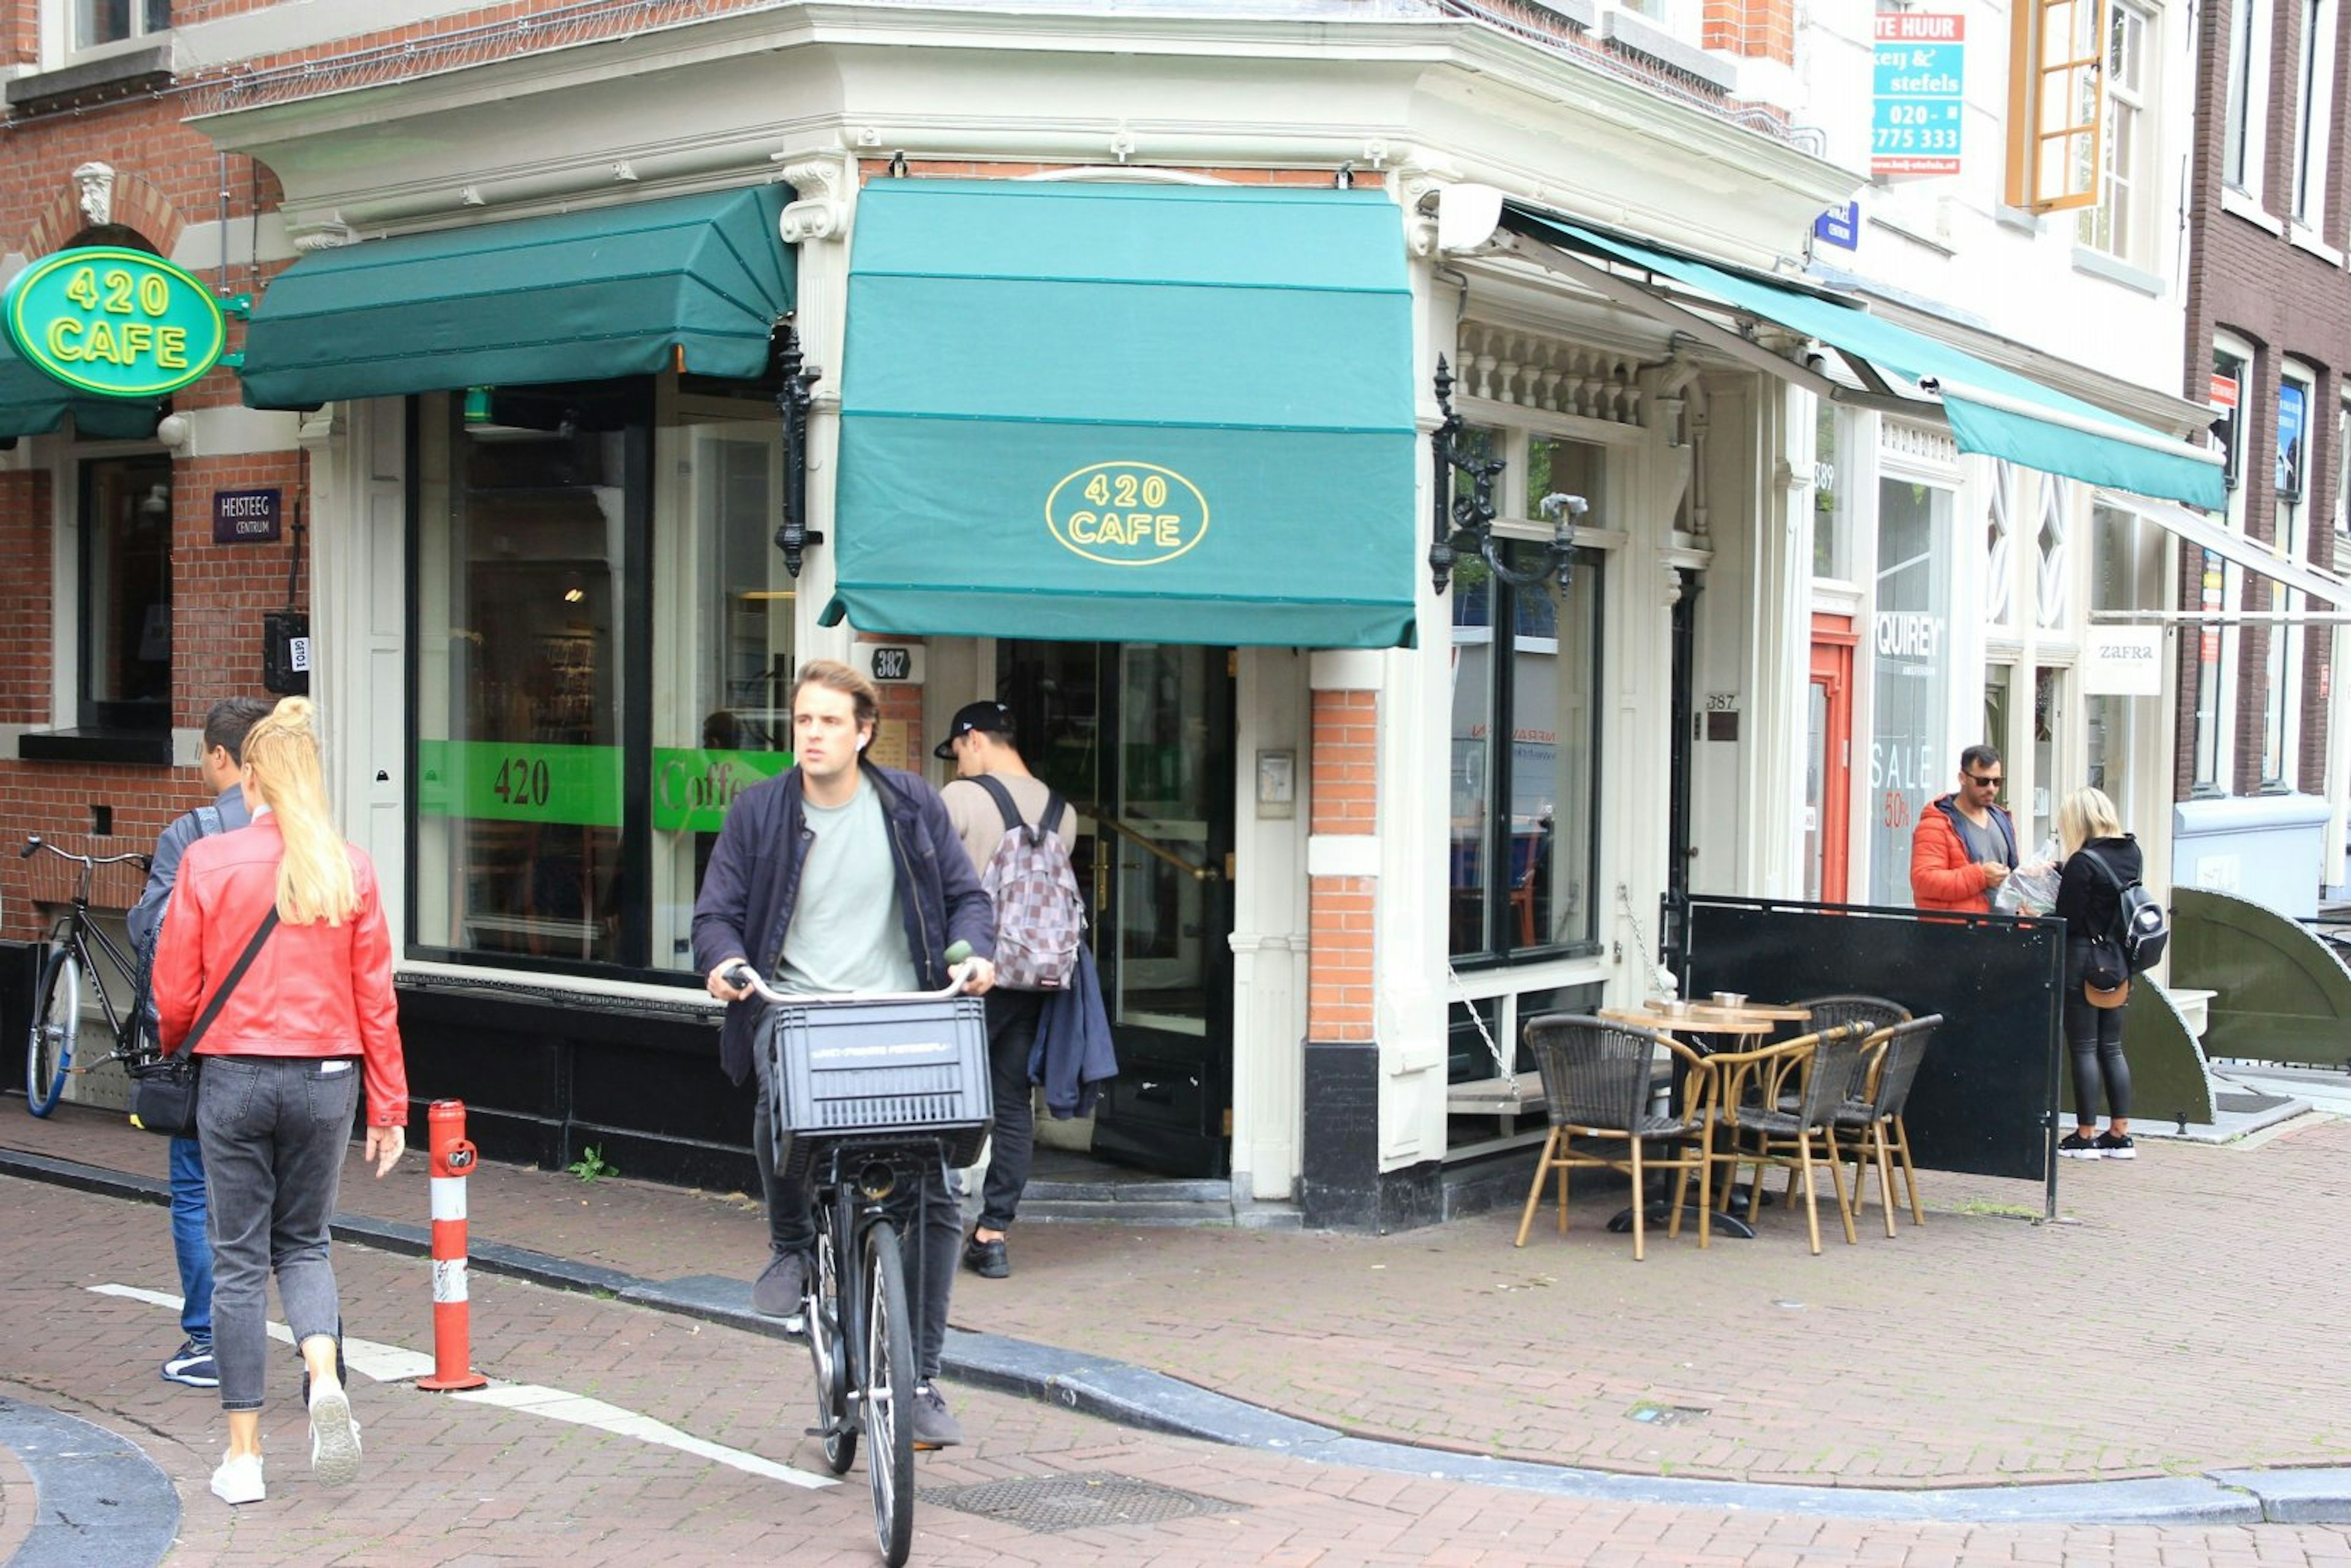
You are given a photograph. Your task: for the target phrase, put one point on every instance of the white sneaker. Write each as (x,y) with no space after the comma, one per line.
(334,1435)
(238,1480)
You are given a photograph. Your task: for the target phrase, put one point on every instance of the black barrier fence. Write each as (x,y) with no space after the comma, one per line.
(1985,1100)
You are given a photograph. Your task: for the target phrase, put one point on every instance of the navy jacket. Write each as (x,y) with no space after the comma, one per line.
(753,884)
(1072,1055)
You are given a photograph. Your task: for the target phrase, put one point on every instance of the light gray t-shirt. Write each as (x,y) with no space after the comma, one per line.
(971,809)
(1984,844)
(845,934)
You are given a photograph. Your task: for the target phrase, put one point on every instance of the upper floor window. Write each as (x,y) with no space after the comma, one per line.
(2313,111)
(97,22)
(2113,226)
(2240,135)
(2056,107)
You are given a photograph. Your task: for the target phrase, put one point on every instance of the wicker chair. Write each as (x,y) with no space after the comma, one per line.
(1779,1102)
(1846,1008)
(1875,1117)
(1596,1079)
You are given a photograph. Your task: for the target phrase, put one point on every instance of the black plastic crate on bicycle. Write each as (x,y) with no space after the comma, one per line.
(842,1067)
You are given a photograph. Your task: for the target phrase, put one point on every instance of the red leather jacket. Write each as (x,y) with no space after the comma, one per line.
(1943,875)
(315,991)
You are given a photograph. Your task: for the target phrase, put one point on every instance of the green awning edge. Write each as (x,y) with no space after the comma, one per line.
(2008,422)
(33,402)
(611,291)
(932,611)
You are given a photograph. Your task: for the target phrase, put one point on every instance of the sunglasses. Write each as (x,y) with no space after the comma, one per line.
(1988,781)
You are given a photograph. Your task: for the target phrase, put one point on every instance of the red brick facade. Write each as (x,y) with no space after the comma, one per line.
(2287,303)
(1344,799)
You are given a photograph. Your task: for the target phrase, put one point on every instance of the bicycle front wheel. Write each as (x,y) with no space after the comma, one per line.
(889,1393)
(827,1342)
(57,1020)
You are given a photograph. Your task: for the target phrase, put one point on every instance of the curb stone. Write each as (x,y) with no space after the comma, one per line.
(99,1497)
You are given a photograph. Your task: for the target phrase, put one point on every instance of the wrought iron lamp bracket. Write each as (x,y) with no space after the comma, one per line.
(793,400)
(1463,521)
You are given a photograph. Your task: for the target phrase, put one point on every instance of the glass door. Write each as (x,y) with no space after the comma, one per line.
(1138,738)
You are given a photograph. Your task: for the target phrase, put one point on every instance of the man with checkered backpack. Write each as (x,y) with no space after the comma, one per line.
(1018,833)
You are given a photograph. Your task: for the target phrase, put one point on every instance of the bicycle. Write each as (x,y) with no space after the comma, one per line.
(57,1010)
(885,1089)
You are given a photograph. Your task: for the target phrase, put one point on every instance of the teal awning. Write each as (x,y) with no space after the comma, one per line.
(34,403)
(1991,410)
(1127,412)
(611,291)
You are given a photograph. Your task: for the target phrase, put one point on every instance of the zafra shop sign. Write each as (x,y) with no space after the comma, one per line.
(114,322)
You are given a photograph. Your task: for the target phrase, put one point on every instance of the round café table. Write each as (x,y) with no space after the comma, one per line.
(1704,1028)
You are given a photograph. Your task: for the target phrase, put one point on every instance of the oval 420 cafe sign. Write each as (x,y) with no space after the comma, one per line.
(115,323)
(1127,514)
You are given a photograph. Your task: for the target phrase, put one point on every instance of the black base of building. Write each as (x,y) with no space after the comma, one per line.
(1341,1187)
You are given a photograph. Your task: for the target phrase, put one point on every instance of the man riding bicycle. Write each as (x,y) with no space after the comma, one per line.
(846,877)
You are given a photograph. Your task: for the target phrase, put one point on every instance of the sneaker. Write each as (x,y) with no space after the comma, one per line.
(334,1435)
(2117,1146)
(987,1260)
(777,1290)
(193,1364)
(933,1427)
(2074,1147)
(238,1480)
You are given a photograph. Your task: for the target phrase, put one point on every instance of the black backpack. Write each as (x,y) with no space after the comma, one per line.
(2140,928)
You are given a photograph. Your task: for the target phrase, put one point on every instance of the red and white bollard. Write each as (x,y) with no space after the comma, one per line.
(452,1157)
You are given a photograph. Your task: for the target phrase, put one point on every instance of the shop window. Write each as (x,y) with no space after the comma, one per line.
(2056,119)
(124,598)
(97,22)
(583,721)
(2113,223)
(2114,586)
(2281,677)
(1524,815)
(1833,469)
(1911,676)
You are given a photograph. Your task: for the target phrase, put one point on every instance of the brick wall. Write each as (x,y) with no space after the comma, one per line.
(2287,303)
(1343,800)
(1757,29)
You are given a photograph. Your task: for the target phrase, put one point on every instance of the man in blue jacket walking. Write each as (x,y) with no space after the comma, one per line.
(840,876)
(223,762)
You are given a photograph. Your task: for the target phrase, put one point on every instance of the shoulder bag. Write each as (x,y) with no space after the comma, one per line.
(164,1092)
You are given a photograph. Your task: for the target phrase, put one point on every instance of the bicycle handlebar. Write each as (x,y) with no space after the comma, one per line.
(742,974)
(35,844)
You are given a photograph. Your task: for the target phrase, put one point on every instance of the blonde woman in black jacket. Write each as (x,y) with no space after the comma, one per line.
(2089,829)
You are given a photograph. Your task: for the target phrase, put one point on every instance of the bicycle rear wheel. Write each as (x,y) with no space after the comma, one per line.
(889,1393)
(828,1342)
(57,1020)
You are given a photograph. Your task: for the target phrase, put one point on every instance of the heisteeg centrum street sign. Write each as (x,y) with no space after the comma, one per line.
(114,322)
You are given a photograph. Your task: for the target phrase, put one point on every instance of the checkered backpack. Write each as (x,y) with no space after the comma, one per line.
(1039,918)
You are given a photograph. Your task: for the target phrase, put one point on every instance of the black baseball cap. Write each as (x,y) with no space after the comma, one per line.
(992,716)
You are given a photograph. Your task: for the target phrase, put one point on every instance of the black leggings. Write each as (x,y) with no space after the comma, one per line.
(2095,1037)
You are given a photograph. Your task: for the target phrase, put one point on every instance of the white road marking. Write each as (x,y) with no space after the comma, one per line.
(393,1364)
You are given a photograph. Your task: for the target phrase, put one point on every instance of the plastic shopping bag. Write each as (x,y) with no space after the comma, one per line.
(2031,888)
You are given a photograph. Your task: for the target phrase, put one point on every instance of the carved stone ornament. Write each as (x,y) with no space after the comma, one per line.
(821,211)
(1415,183)
(94,191)
(326,232)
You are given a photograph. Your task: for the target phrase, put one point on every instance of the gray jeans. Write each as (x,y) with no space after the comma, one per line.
(274,1131)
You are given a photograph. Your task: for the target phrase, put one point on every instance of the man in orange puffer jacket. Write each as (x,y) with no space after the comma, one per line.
(1965,844)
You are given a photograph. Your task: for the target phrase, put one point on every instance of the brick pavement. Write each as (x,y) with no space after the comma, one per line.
(455,1484)
(2181,1319)
(448,1483)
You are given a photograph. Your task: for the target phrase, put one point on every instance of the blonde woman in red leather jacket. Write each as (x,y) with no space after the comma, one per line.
(283,1065)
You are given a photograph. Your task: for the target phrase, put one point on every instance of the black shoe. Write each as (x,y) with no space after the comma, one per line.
(777,1290)
(2117,1146)
(989,1259)
(193,1364)
(2078,1146)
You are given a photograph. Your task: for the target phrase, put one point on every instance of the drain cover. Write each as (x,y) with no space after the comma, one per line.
(1080,1501)
(1667,1415)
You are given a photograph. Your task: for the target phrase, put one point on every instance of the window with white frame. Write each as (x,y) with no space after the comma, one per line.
(100,22)
(2113,226)
(2248,100)
(2313,111)
(2217,579)
(2049,547)
(2282,673)
(2000,543)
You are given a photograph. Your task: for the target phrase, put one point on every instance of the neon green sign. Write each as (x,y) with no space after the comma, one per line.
(118,323)
(513,782)
(694,789)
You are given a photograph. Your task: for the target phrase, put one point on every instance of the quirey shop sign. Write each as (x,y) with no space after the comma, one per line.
(114,322)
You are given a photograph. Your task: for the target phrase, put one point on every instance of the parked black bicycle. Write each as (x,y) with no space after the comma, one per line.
(76,944)
(872,1094)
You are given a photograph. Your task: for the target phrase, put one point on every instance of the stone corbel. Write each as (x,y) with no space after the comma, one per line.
(327,232)
(820,186)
